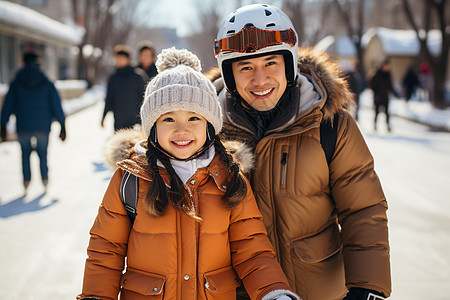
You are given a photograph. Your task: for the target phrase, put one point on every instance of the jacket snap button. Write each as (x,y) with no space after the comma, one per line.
(186,277)
(216,174)
(224,187)
(155,289)
(193,182)
(125,281)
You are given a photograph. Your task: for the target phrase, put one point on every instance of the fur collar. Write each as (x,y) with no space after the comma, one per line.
(121,146)
(326,75)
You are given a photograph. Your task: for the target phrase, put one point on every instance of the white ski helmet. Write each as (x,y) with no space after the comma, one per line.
(255,30)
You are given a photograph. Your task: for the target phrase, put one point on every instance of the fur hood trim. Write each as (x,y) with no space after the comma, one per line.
(324,69)
(121,146)
(325,72)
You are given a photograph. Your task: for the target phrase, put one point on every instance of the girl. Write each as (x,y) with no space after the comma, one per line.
(198,232)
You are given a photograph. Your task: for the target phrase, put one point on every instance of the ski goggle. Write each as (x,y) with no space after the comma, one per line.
(249,40)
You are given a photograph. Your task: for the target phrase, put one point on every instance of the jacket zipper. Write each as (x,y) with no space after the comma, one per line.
(283,168)
(191,197)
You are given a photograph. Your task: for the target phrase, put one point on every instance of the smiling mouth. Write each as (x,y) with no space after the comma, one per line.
(262,93)
(181,143)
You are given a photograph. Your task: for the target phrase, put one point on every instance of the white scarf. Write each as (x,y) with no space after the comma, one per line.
(184,169)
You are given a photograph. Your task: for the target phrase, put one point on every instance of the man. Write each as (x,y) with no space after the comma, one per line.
(147,58)
(327,222)
(381,85)
(125,91)
(33,99)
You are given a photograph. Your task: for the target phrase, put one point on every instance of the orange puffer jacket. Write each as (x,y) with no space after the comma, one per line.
(174,256)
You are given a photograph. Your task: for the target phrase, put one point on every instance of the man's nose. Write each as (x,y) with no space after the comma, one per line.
(260,77)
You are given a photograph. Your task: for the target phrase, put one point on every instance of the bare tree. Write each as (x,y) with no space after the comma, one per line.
(106,23)
(438,63)
(353,24)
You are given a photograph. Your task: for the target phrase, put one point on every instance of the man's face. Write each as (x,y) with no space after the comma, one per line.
(122,61)
(146,57)
(260,81)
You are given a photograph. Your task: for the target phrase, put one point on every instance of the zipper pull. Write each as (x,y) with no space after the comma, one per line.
(284,158)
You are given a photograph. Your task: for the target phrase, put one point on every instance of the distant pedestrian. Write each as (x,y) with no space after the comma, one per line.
(147,58)
(35,102)
(410,83)
(125,91)
(426,82)
(381,85)
(197,231)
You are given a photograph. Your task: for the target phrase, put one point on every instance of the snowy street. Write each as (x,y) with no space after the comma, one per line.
(44,236)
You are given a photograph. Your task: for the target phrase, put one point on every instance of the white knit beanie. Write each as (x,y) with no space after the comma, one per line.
(180,85)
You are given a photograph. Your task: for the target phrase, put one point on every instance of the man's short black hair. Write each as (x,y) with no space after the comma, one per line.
(30,57)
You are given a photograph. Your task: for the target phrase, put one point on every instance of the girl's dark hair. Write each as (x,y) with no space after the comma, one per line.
(237,188)
(159,196)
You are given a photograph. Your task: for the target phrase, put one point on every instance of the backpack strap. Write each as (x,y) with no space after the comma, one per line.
(129,194)
(328,137)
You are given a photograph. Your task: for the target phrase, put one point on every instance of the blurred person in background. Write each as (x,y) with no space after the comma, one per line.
(410,83)
(324,211)
(381,85)
(125,91)
(35,102)
(147,58)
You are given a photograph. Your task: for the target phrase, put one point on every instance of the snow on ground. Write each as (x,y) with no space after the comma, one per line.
(418,111)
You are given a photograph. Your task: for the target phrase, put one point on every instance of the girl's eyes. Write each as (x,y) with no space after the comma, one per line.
(169,119)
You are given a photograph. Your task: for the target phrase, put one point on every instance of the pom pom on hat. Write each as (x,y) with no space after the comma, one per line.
(171,58)
(180,85)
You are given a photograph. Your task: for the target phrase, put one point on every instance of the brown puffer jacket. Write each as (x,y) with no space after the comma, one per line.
(328,224)
(174,256)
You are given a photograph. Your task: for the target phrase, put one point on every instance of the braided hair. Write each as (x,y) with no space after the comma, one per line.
(159,196)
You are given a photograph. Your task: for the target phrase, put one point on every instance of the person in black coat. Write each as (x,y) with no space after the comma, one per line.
(381,85)
(35,102)
(410,83)
(147,58)
(125,91)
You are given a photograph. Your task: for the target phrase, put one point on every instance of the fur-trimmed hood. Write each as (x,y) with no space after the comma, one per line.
(122,145)
(324,73)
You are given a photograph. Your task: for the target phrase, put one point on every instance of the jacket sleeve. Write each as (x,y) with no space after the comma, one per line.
(252,253)
(362,207)
(8,104)
(107,246)
(56,106)
(109,97)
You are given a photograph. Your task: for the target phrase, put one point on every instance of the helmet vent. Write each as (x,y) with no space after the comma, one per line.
(270,25)
(231,31)
(248,25)
(232,19)
(268,12)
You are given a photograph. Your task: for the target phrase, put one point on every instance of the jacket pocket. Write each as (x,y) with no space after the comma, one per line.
(319,247)
(221,284)
(143,283)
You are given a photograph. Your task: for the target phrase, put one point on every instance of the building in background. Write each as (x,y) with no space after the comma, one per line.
(22,28)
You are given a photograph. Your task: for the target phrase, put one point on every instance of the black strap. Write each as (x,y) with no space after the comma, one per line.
(129,194)
(328,137)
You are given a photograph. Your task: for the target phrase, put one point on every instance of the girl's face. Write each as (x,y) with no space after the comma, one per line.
(181,133)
